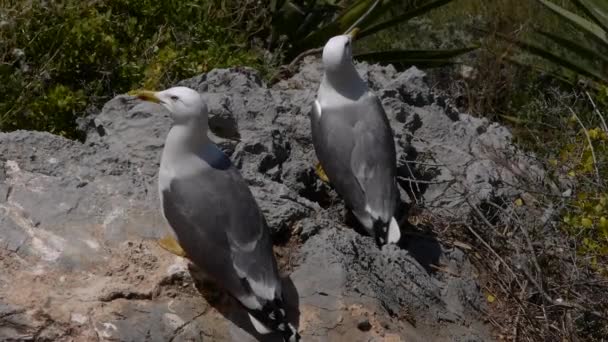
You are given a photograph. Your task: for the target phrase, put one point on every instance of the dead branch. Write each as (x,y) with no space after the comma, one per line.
(597,171)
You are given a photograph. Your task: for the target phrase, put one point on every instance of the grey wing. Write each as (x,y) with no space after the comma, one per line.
(333,140)
(222,230)
(373,158)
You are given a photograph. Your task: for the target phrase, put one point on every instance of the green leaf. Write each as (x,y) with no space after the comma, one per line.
(416,54)
(276,5)
(288,19)
(596,9)
(561,74)
(383,7)
(564,75)
(603,223)
(577,66)
(404,17)
(585,25)
(336,27)
(575,47)
(6,69)
(514,119)
(420,58)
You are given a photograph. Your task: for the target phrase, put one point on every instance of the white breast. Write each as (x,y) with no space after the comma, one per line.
(165,175)
(318,111)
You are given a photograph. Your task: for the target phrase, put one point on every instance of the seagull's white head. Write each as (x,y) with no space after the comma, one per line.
(340,73)
(337,53)
(184,104)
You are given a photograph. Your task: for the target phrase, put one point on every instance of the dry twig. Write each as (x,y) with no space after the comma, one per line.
(597,172)
(597,111)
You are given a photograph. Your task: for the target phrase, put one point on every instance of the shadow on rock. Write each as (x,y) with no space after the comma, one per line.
(424,248)
(412,179)
(242,328)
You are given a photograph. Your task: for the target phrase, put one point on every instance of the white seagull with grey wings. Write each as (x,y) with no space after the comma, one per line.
(214,215)
(354,142)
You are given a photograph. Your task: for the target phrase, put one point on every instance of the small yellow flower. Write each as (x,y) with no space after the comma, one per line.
(594,133)
(490,298)
(603,223)
(598,208)
(586,222)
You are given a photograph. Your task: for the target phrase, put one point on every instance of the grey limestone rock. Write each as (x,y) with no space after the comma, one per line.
(79,220)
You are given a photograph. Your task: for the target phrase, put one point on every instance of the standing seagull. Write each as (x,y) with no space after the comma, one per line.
(354,142)
(214,215)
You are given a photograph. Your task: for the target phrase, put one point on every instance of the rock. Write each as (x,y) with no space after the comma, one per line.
(364,325)
(79,220)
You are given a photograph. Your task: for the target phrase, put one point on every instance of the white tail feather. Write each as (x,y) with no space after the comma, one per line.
(259,327)
(394,233)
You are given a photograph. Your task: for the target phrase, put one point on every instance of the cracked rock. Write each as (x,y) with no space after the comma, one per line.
(78,221)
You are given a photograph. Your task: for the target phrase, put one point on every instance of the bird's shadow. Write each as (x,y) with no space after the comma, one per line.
(424,248)
(232,310)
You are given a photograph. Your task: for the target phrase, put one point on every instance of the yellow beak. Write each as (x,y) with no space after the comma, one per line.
(353,33)
(146,95)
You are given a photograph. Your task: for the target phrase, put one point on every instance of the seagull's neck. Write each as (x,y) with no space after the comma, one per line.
(185,139)
(346,81)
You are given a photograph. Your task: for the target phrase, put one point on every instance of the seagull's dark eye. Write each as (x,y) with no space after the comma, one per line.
(347,43)
(174,98)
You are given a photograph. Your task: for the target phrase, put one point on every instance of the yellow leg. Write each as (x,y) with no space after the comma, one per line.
(321,173)
(171,245)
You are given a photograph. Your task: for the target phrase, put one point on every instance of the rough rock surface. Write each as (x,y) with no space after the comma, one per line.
(78,221)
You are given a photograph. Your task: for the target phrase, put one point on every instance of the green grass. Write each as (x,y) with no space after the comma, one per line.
(58,58)
(558,122)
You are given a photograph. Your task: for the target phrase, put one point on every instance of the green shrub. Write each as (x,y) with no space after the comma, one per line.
(586,216)
(551,125)
(58,57)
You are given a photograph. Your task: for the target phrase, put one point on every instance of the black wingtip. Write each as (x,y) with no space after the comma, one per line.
(274,318)
(295,335)
(380,233)
(291,335)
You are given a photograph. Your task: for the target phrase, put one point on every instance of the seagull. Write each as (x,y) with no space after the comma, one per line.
(214,216)
(354,142)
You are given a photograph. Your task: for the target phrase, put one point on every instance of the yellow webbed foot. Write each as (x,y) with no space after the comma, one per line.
(321,173)
(171,245)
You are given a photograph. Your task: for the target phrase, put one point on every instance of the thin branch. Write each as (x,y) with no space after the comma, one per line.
(420,181)
(560,302)
(302,55)
(424,163)
(539,274)
(410,181)
(539,287)
(364,16)
(597,172)
(487,245)
(597,111)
